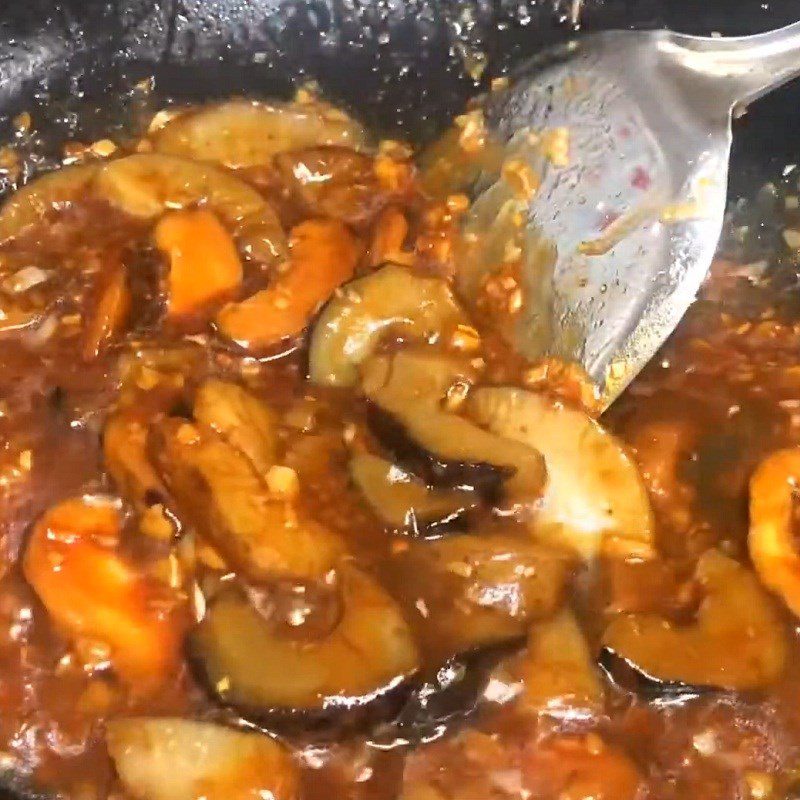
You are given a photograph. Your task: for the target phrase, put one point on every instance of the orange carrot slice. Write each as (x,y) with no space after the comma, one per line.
(204,265)
(108,315)
(91,593)
(324,254)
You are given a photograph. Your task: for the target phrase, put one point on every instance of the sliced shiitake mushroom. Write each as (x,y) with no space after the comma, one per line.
(453,693)
(218,491)
(558,671)
(333,182)
(405,502)
(146,185)
(241,133)
(736,642)
(249,663)
(350,327)
(594,500)
(126,458)
(41,196)
(409,392)
(629,677)
(241,418)
(168,758)
(467,592)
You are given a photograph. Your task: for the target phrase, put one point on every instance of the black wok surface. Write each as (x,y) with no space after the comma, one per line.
(401,65)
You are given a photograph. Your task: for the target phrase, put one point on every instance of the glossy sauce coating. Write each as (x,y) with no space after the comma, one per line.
(522,691)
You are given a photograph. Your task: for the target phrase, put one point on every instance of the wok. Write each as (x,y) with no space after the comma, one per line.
(403,66)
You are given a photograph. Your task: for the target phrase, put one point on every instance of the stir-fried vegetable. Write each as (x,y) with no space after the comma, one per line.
(38,198)
(341,509)
(249,663)
(653,585)
(218,490)
(332,182)
(772,539)
(470,591)
(125,452)
(109,313)
(594,500)
(147,185)
(241,133)
(91,593)
(409,392)
(558,673)
(170,758)
(323,255)
(203,263)
(736,642)
(392,299)
(403,501)
(237,415)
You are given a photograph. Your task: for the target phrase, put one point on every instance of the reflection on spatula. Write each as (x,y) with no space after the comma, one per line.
(609,186)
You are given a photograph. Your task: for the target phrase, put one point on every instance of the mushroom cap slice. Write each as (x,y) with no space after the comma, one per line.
(217,489)
(465,592)
(249,664)
(403,501)
(146,185)
(594,500)
(409,390)
(350,326)
(167,758)
(736,642)
(558,671)
(242,133)
(241,418)
(125,453)
(33,201)
(334,182)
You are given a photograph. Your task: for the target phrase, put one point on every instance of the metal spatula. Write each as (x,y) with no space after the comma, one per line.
(632,219)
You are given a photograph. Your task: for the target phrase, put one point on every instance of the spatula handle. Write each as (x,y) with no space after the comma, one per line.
(742,68)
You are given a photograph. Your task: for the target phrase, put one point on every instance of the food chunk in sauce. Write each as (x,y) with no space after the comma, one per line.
(282,515)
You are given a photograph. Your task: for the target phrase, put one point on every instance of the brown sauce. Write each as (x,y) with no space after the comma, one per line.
(719,398)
